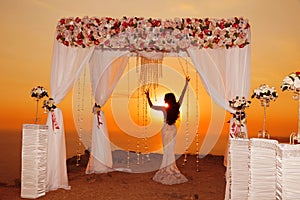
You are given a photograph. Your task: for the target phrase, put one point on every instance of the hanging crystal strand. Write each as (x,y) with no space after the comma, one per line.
(78,120)
(138,108)
(128,154)
(138,152)
(138,104)
(128,93)
(137,63)
(145,117)
(128,79)
(197,133)
(160,74)
(81,119)
(187,120)
(146,138)
(155,77)
(143,124)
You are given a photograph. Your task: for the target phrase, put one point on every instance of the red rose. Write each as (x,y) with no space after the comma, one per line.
(242,45)
(222,25)
(235,25)
(200,35)
(79,36)
(216,40)
(206,31)
(207,22)
(58,36)
(188,20)
(66,43)
(62,21)
(71,28)
(158,23)
(297,73)
(79,42)
(125,24)
(77,20)
(130,22)
(118,30)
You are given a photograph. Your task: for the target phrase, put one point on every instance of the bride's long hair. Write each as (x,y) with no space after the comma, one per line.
(172,109)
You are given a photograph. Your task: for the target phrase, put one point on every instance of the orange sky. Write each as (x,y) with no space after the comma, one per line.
(27,32)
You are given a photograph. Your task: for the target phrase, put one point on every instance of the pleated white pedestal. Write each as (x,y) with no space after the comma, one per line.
(288,172)
(237,173)
(262,169)
(34,160)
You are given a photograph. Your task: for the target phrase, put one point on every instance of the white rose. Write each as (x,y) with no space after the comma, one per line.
(297,82)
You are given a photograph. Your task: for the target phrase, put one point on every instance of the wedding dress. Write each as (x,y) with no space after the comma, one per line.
(168,173)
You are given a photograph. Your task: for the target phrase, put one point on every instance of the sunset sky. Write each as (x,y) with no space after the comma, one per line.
(28,32)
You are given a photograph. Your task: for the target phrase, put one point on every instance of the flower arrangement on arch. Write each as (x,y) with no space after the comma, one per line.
(38,92)
(265,92)
(239,103)
(239,117)
(97,111)
(96,108)
(49,105)
(138,33)
(291,82)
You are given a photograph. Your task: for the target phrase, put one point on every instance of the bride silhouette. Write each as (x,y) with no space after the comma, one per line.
(168,173)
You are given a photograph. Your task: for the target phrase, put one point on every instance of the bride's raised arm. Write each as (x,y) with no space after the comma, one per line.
(187,79)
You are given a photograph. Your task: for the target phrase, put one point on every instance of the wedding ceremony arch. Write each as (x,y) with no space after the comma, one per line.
(218,48)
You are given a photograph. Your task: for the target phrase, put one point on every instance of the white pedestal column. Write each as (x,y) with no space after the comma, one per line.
(34,160)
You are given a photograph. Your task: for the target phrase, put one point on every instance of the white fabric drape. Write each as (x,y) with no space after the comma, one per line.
(67,64)
(106,68)
(225,74)
(56,157)
(101,159)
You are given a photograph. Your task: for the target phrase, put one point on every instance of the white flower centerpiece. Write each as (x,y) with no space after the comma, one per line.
(239,104)
(38,93)
(292,83)
(265,94)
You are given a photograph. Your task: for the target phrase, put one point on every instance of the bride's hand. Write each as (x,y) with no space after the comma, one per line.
(146,92)
(187,79)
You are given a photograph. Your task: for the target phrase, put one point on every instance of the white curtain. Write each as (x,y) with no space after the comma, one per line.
(106,68)
(67,64)
(56,157)
(225,74)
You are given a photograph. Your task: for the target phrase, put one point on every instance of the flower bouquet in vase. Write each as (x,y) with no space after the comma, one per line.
(239,117)
(265,94)
(38,93)
(292,83)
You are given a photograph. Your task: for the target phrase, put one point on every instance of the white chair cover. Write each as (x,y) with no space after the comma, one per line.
(237,173)
(288,172)
(262,165)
